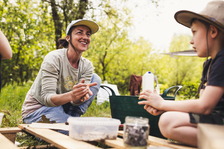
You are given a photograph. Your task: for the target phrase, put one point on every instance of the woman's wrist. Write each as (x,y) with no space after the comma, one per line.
(74,101)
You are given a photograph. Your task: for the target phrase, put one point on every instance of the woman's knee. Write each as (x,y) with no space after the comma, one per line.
(96,79)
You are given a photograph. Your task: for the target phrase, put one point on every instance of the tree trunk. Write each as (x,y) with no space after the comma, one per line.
(82,9)
(57,22)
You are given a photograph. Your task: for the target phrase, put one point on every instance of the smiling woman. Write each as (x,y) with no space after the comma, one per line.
(79,40)
(65,85)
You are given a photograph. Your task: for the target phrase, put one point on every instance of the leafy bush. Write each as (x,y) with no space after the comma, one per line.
(11,100)
(189,90)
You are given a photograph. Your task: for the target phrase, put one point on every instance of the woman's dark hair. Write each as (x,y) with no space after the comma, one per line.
(63,43)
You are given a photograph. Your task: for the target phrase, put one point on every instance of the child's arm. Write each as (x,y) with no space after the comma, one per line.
(201,92)
(204,105)
(5,49)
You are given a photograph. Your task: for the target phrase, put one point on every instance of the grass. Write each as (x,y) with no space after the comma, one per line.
(11,100)
(95,110)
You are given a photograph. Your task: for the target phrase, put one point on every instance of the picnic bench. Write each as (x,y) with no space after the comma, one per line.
(58,140)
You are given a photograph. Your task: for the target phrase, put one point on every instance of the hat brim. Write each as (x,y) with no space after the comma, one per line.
(92,25)
(185,17)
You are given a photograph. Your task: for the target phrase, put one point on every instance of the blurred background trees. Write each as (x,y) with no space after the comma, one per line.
(34,27)
(29,29)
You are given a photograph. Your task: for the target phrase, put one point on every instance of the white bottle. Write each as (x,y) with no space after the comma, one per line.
(148,81)
(158,89)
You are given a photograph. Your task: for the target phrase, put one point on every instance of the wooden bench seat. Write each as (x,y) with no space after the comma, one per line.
(210,136)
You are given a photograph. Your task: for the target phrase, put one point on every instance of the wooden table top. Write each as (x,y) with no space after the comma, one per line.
(63,141)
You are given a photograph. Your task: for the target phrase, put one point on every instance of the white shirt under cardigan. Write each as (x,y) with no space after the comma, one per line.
(56,76)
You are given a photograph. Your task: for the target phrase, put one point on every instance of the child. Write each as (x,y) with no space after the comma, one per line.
(180,121)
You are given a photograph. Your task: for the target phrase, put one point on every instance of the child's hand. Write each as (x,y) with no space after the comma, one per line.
(152,110)
(153,99)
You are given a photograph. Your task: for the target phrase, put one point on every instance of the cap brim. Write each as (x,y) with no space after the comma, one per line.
(185,17)
(92,25)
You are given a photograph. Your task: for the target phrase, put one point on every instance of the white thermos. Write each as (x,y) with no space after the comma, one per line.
(148,81)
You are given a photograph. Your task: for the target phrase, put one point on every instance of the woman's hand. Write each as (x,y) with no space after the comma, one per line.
(81,92)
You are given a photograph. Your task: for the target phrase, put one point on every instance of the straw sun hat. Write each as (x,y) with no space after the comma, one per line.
(213,14)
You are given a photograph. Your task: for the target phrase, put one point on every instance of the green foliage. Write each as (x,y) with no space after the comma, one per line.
(189,90)
(31,30)
(28,27)
(114,56)
(11,100)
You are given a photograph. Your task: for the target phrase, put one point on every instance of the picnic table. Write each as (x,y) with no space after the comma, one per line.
(56,139)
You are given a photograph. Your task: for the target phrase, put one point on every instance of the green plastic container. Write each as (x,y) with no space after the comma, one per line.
(122,106)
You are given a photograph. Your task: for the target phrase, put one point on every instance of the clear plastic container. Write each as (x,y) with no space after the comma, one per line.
(136,131)
(93,128)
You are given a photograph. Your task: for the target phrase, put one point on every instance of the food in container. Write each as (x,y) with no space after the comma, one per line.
(136,131)
(93,128)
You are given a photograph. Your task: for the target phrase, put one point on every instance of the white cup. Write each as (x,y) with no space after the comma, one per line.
(1,117)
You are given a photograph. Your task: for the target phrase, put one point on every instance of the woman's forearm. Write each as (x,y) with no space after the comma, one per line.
(60,99)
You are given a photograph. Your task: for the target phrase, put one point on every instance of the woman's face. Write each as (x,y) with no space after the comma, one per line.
(80,38)
(198,40)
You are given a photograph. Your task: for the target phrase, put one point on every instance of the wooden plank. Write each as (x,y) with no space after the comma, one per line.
(59,140)
(10,130)
(6,143)
(117,143)
(210,136)
(50,146)
(155,141)
(55,126)
(164,142)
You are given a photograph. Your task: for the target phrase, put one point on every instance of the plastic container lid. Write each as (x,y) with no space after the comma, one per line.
(93,121)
